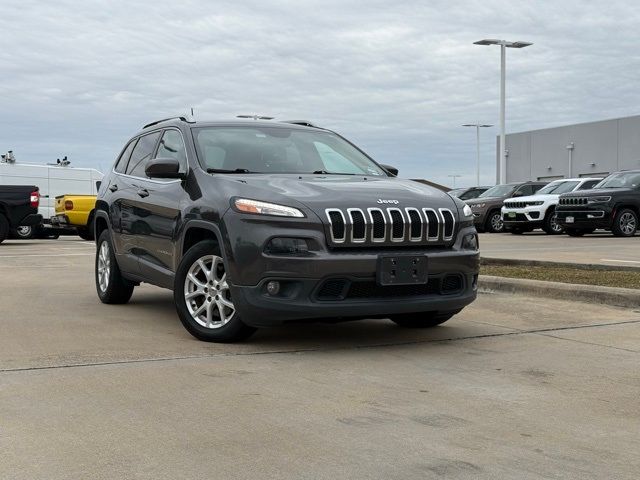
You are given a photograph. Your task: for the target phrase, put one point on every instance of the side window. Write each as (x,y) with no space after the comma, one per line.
(535,188)
(172,146)
(141,154)
(588,185)
(525,190)
(121,165)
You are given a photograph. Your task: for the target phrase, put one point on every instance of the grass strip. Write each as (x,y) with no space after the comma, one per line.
(612,278)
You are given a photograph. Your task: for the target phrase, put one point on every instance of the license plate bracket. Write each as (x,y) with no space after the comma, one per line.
(511,214)
(402,270)
(570,220)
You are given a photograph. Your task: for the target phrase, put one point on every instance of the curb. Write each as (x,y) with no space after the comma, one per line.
(614,296)
(540,263)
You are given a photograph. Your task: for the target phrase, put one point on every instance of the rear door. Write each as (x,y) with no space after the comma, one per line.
(163,197)
(127,213)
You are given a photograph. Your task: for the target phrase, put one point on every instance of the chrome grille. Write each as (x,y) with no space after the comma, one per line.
(390,226)
(573,201)
(515,204)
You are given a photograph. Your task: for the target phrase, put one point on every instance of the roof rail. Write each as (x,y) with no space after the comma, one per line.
(183,119)
(304,123)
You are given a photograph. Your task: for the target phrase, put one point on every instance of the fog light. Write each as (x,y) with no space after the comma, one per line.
(273,288)
(470,242)
(287,246)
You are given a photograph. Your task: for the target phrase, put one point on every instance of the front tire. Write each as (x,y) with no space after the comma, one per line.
(495,224)
(203,298)
(625,223)
(111,286)
(551,225)
(422,319)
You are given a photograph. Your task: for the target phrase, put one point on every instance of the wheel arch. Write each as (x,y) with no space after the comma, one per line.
(196,231)
(101,222)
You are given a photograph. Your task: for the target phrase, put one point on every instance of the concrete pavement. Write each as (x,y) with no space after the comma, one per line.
(513,387)
(599,249)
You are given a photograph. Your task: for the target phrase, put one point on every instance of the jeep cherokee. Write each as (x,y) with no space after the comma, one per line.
(255,223)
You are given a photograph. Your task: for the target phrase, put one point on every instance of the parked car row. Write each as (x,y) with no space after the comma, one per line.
(573,205)
(52,182)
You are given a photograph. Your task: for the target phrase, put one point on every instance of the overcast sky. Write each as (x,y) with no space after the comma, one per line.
(398,78)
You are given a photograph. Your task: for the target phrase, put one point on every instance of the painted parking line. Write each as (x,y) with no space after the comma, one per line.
(50,255)
(621,261)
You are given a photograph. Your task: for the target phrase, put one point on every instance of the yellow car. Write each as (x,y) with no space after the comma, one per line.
(75,211)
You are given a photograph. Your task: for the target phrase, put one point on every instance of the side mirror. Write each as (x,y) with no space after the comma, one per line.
(392,170)
(98,183)
(163,168)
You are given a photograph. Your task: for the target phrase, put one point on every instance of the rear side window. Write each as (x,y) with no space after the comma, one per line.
(526,190)
(141,154)
(535,188)
(121,165)
(172,146)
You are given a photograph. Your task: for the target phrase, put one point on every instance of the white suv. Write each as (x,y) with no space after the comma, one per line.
(523,214)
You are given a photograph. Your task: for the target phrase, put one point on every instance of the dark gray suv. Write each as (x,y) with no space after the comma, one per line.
(255,223)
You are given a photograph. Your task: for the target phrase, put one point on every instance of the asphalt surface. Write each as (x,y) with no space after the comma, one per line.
(513,387)
(597,249)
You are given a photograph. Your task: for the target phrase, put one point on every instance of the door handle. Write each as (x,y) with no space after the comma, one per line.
(143,192)
(113,188)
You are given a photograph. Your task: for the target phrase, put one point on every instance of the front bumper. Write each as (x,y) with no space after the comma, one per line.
(597,216)
(528,218)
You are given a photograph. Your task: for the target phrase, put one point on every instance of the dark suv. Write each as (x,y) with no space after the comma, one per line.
(255,223)
(613,204)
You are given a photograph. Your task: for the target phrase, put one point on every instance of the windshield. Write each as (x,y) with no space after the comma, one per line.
(279,150)
(558,188)
(621,180)
(498,191)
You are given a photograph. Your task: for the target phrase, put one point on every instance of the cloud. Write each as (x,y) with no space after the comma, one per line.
(399,79)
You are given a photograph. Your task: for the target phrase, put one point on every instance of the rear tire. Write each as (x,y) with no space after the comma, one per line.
(111,286)
(203,297)
(4,228)
(551,226)
(625,223)
(24,233)
(494,222)
(422,319)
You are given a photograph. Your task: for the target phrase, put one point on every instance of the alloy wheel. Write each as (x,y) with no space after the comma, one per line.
(23,231)
(555,226)
(627,223)
(496,222)
(207,294)
(104,266)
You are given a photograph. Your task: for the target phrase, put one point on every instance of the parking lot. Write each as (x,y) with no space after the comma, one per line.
(600,248)
(512,387)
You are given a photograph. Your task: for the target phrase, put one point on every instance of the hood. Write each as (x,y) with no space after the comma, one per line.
(534,198)
(477,201)
(319,192)
(598,192)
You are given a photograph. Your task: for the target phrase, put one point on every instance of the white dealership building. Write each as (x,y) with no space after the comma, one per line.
(592,149)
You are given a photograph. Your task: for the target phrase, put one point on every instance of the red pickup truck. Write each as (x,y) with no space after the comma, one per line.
(18,207)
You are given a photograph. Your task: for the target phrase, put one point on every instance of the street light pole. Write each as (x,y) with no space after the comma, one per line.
(454,179)
(504,44)
(478,127)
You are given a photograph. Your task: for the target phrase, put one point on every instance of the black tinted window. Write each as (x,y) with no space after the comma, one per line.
(525,190)
(121,165)
(141,154)
(535,188)
(172,146)
(588,185)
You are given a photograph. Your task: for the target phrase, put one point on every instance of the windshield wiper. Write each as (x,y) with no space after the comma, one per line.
(324,172)
(222,170)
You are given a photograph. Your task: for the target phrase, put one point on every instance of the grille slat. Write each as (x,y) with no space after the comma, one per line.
(390,226)
(573,201)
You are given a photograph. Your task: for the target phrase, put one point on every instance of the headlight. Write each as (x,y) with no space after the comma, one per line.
(466,211)
(534,204)
(598,199)
(246,205)
(478,205)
